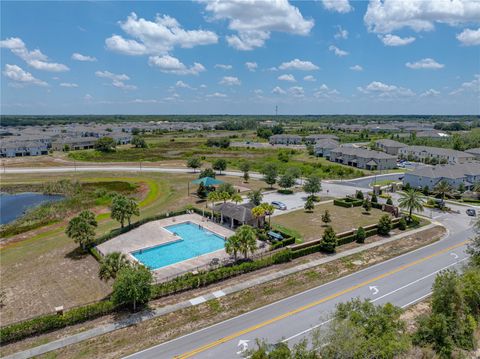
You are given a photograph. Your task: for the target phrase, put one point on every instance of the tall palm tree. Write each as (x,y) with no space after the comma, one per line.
(258,212)
(442,189)
(411,200)
(232,246)
(247,239)
(212,198)
(236,198)
(269,209)
(111,264)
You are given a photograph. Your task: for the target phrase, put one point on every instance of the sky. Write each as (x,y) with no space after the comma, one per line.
(240,57)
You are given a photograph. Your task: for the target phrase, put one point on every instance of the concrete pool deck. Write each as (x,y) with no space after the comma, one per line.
(153,234)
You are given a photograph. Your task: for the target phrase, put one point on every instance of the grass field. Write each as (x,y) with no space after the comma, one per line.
(310,225)
(42,269)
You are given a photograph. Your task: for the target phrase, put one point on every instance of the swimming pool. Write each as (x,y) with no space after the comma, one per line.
(194,242)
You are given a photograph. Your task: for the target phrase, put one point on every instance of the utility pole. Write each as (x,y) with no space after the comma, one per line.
(276,111)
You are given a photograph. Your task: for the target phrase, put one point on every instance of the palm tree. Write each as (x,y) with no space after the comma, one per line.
(236,198)
(258,212)
(247,239)
(411,200)
(111,264)
(269,209)
(224,196)
(442,189)
(213,197)
(232,246)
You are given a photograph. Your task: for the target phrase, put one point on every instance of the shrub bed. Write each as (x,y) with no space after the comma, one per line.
(347,202)
(283,243)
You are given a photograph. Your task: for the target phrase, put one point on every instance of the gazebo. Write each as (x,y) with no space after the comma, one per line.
(206,181)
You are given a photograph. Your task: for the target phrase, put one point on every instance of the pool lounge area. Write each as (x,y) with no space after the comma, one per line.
(172,246)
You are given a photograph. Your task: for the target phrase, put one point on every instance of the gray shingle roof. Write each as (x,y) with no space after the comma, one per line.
(240,212)
(439,151)
(390,143)
(449,171)
(361,152)
(473,151)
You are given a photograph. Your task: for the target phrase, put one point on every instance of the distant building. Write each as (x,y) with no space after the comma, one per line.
(455,174)
(389,146)
(285,140)
(362,158)
(74,143)
(441,155)
(322,148)
(381,127)
(432,134)
(21,148)
(475,152)
(311,139)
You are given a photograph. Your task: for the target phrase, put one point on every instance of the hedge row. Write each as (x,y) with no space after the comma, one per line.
(348,202)
(283,243)
(376,205)
(46,323)
(306,251)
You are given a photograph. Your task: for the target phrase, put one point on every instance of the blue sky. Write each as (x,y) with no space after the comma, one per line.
(241,57)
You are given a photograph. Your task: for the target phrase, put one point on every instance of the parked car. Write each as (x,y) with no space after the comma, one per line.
(471,212)
(279,205)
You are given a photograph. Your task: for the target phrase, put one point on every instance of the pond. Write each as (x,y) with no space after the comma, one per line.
(13,206)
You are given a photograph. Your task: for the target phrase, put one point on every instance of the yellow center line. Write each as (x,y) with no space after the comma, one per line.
(313,304)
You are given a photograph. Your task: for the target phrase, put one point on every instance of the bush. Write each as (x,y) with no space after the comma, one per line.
(284,243)
(389,201)
(402,224)
(338,202)
(377,205)
(359,195)
(374,198)
(306,251)
(384,225)
(360,235)
(345,240)
(347,202)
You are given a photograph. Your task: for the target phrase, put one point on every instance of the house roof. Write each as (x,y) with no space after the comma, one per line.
(439,151)
(390,143)
(449,171)
(321,136)
(239,212)
(362,152)
(326,143)
(473,151)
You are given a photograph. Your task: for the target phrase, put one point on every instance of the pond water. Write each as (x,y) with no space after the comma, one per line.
(13,206)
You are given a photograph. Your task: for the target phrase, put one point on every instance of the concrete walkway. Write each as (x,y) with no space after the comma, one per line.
(146,315)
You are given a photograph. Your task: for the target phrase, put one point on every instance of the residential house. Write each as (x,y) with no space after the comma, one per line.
(389,146)
(475,152)
(363,158)
(285,140)
(74,143)
(439,155)
(312,139)
(455,174)
(20,148)
(322,148)
(432,134)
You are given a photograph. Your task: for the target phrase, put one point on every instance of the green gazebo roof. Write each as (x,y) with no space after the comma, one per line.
(207,181)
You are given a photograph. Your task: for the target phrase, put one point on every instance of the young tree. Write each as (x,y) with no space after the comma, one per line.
(367,205)
(360,235)
(219,165)
(286,181)
(411,200)
(247,238)
(224,196)
(202,191)
(374,198)
(207,172)
(89,217)
(119,209)
(111,264)
(309,204)
(131,210)
(359,195)
(227,187)
(326,217)
(329,240)
(139,142)
(133,286)
(312,185)
(384,225)
(81,232)
(389,201)
(295,172)
(236,198)
(232,246)
(442,189)
(255,197)
(105,144)
(270,174)
(194,163)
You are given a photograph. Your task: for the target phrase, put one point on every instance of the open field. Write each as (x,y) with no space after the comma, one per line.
(310,225)
(42,269)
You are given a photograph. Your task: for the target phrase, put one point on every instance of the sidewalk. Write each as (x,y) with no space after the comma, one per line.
(146,315)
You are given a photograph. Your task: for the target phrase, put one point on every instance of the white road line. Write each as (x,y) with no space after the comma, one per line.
(306,331)
(218,294)
(197,300)
(417,300)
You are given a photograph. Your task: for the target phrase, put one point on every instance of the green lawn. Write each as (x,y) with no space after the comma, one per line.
(310,225)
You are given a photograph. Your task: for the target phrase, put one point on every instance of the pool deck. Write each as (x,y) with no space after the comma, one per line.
(153,233)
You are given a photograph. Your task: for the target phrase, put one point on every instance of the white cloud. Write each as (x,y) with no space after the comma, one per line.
(230,81)
(251,66)
(356,68)
(470,86)
(68,84)
(287,77)
(430,93)
(338,52)
(297,64)
(427,64)
(21,77)
(419,15)
(217,95)
(35,58)
(118,80)
(258,91)
(254,20)
(223,67)
(341,33)
(394,40)
(279,91)
(88,97)
(171,65)
(309,78)
(296,91)
(156,37)
(183,85)
(79,57)
(324,92)
(144,101)
(381,89)
(341,6)
(469,37)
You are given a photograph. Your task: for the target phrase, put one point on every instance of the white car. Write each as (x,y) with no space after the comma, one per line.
(279,205)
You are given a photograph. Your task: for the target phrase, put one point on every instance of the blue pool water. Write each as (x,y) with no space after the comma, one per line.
(195,242)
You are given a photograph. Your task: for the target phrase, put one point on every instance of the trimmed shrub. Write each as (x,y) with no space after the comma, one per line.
(345,240)
(360,235)
(374,198)
(359,195)
(402,224)
(338,202)
(384,225)
(306,251)
(389,201)
(377,205)
(284,243)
